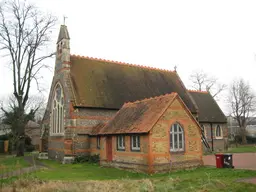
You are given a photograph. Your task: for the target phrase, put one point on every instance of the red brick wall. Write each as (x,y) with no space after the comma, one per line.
(162,158)
(218,143)
(127,159)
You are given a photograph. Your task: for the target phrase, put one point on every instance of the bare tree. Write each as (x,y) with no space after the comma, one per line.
(242,101)
(201,81)
(24,33)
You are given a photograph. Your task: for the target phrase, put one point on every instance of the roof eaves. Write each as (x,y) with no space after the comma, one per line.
(189,112)
(131,103)
(218,106)
(187,93)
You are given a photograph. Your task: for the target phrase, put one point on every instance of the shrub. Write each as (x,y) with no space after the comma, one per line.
(3,137)
(238,139)
(28,140)
(94,159)
(29,148)
(81,159)
(86,158)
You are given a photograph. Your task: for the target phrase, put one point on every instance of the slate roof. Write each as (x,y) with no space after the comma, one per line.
(109,84)
(139,116)
(209,110)
(63,34)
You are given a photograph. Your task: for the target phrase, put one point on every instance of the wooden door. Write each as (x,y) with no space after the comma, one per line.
(109,148)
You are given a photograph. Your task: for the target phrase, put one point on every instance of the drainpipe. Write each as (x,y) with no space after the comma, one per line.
(212,137)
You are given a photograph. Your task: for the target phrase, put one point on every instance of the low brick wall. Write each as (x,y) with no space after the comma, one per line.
(126,165)
(166,167)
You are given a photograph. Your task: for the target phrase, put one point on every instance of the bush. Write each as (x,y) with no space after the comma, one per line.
(28,140)
(86,158)
(29,148)
(3,137)
(238,139)
(94,159)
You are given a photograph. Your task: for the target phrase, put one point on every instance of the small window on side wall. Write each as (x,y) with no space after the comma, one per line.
(135,143)
(98,142)
(218,132)
(121,143)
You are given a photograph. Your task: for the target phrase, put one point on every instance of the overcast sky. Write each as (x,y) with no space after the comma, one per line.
(218,37)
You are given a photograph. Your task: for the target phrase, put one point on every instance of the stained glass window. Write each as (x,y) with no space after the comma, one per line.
(57,114)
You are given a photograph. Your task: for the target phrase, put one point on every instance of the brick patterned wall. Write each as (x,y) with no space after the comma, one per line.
(93,146)
(127,159)
(78,123)
(162,158)
(218,143)
(56,148)
(62,76)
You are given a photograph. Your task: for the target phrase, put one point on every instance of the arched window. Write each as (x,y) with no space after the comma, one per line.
(218,132)
(57,116)
(177,138)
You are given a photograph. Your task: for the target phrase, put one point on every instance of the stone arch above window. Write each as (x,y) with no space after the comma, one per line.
(177,138)
(57,113)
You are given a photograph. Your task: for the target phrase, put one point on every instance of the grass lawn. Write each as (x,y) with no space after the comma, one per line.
(10,163)
(243,149)
(90,177)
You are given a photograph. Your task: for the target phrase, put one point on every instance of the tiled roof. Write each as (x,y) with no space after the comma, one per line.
(139,116)
(97,128)
(209,110)
(109,84)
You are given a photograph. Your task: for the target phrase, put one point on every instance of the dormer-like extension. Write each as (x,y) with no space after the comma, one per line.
(63,48)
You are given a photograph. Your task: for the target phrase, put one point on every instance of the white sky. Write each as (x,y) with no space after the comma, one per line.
(218,37)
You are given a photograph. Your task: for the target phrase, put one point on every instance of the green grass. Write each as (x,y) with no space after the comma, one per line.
(243,149)
(199,179)
(78,177)
(81,172)
(10,163)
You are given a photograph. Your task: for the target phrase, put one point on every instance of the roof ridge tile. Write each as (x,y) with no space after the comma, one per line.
(197,91)
(122,63)
(150,98)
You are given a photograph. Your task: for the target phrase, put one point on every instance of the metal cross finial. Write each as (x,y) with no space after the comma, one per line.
(175,68)
(64,19)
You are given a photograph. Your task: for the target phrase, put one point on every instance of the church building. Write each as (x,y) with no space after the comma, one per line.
(132,116)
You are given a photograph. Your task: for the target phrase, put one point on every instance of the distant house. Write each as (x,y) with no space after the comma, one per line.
(32,130)
(89,99)
(212,120)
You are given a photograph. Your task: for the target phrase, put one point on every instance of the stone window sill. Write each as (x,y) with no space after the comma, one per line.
(218,137)
(56,134)
(177,152)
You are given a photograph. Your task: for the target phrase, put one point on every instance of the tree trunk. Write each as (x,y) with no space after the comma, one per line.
(21,132)
(243,134)
(20,146)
